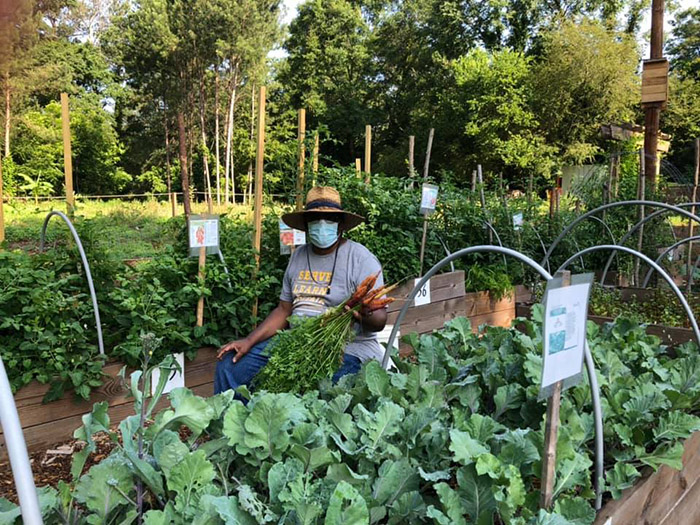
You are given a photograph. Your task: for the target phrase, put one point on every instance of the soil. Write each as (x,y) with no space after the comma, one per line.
(53,465)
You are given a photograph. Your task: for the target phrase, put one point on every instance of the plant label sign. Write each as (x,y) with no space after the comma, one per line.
(564,332)
(176,379)
(203,233)
(428,199)
(423,296)
(290,237)
(518,221)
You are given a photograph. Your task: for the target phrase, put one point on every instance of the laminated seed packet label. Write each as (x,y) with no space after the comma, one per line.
(564,331)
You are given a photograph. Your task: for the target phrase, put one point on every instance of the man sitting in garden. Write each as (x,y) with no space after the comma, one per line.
(320,275)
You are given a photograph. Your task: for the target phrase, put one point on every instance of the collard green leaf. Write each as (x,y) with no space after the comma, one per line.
(393,479)
(267,427)
(379,425)
(465,449)
(250,503)
(102,490)
(281,474)
(438,475)
(452,505)
(482,428)
(408,508)
(346,507)
(477,495)
(507,398)
(377,379)
(676,425)
(191,474)
(576,510)
(234,427)
(622,476)
(571,473)
(546,518)
(190,410)
(228,509)
(517,448)
(667,454)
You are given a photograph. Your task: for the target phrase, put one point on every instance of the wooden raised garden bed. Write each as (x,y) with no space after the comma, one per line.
(47,424)
(666,497)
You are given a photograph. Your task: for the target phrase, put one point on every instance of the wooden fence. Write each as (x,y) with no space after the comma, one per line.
(48,424)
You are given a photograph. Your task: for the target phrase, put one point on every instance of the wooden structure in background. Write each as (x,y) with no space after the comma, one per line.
(67,155)
(2,212)
(655,81)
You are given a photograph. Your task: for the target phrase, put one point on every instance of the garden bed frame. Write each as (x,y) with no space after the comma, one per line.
(45,425)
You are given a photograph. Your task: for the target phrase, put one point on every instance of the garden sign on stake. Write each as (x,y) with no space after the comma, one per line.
(563,343)
(204,239)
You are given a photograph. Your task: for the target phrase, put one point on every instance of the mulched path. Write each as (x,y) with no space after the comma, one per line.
(53,465)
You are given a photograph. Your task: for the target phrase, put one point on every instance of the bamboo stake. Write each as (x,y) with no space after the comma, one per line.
(67,156)
(171,197)
(358,167)
(551,430)
(217,153)
(691,224)
(2,212)
(259,161)
(314,166)
(302,153)
(411,151)
(427,154)
(368,152)
(482,195)
(200,303)
(473,181)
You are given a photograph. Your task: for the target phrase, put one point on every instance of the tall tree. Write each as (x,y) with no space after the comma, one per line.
(684,44)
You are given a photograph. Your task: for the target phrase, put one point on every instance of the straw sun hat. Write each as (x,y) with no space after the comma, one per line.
(322,199)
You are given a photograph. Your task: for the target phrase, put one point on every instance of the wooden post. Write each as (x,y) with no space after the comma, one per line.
(2,212)
(259,160)
(302,153)
(551,429)
(67,156)
(427,153)
(200,303)
(482,195)
(368,152)
(426,167)
(473,181)
(314,166)
(641,194)
(691,223)
(411,151)
(358,167)
(652,110)
(530,189)
(171,197)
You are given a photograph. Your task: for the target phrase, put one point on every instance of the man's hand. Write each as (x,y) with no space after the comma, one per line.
(241,347)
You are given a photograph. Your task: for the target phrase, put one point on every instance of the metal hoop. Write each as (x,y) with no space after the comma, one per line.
(588,358)
(86,265)
(665,252)
(651,263)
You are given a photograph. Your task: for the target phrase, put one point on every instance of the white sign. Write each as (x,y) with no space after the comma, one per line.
(423,296)
(176,379)
(518,221)
(204,231)
(428,198)
(290,237)
(565,314)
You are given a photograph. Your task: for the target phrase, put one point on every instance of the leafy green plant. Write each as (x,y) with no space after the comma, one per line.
(454,437)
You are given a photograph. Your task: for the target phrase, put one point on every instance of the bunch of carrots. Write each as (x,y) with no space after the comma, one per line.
(313,348)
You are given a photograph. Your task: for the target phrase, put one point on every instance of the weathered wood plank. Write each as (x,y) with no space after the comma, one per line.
(654,499)
(442,287)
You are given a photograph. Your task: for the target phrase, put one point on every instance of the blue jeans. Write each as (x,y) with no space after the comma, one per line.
(230,375)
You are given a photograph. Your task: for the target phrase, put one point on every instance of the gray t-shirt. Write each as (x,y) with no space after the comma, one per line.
(306,288)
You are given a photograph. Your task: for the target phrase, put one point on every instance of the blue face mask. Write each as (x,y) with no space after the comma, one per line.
(323,234)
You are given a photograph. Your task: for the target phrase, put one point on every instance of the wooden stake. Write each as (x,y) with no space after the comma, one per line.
(427,154)
(425,216)
(530,189)
(473,181)
(302,153)
(259,161)
(171,197)
(483,198)
(550,431)
(368,152)
(411,151)
(314,166)
(691,223)
(200,303)
(358,167)
(2,213)
(67,156)
(641,193)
